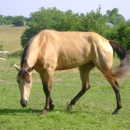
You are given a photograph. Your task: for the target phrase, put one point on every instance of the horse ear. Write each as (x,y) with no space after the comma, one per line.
(16,67)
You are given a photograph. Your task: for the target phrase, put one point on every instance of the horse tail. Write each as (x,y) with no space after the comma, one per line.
(124,60)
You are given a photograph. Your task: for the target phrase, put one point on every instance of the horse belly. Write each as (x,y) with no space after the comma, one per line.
(72,62)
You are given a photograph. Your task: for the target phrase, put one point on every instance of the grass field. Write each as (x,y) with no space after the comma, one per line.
(92,111)
(10,38)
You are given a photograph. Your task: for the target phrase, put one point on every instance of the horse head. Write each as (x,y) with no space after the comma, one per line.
(24,80)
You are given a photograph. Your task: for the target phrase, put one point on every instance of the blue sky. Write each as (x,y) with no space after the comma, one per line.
(25,7)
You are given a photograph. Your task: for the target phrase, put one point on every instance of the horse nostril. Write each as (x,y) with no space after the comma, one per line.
(26,103)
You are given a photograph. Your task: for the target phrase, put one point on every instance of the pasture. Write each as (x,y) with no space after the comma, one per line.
(92,111)
(10,38)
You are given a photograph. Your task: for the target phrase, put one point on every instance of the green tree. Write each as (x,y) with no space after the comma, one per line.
(69,21)
(114,17)
(112,34)
(94,21)
(45,19)
(123,33)
(19,20)
(2,20)
(9,19)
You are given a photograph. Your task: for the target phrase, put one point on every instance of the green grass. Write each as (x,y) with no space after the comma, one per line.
(10,37)
(92,111)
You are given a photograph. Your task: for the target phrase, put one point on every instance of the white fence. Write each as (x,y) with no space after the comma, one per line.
(3,54)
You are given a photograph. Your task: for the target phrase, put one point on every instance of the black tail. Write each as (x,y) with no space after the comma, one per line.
(124,58)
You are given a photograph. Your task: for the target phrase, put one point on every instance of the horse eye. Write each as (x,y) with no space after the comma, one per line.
(28,81)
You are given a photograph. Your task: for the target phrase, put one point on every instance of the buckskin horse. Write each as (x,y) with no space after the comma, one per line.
(52,50)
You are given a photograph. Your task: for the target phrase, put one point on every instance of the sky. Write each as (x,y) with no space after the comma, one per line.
(25,7)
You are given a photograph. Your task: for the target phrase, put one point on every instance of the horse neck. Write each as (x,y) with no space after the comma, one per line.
(32,53)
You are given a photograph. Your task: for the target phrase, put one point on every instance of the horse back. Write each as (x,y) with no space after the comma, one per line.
(67,50)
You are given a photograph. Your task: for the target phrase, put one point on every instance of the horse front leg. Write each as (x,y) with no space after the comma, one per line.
(84,75)
(47,83)
(48,104)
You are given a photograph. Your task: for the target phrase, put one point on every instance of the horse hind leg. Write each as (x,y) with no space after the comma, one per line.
(105,67)
(116,89)
(108,74)
(84,75)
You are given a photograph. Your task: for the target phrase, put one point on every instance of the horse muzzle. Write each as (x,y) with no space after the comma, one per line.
(23,103)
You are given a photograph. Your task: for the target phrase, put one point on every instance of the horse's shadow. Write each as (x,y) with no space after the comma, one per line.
(15,111)
(7,111)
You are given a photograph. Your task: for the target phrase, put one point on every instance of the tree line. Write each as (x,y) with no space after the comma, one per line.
(14,20)
(112,25)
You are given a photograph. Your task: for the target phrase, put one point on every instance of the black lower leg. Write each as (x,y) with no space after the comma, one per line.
(76,98)
(51,104)
(118,98)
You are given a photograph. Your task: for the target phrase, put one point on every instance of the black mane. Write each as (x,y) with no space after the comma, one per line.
(25,53)
(24,72)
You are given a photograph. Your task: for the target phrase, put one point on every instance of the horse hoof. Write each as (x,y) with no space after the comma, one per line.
(44,112)
(52,107)
(69,108)
(115,112)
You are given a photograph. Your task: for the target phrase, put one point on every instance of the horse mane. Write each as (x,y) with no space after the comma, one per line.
(25,53)
(24,71)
